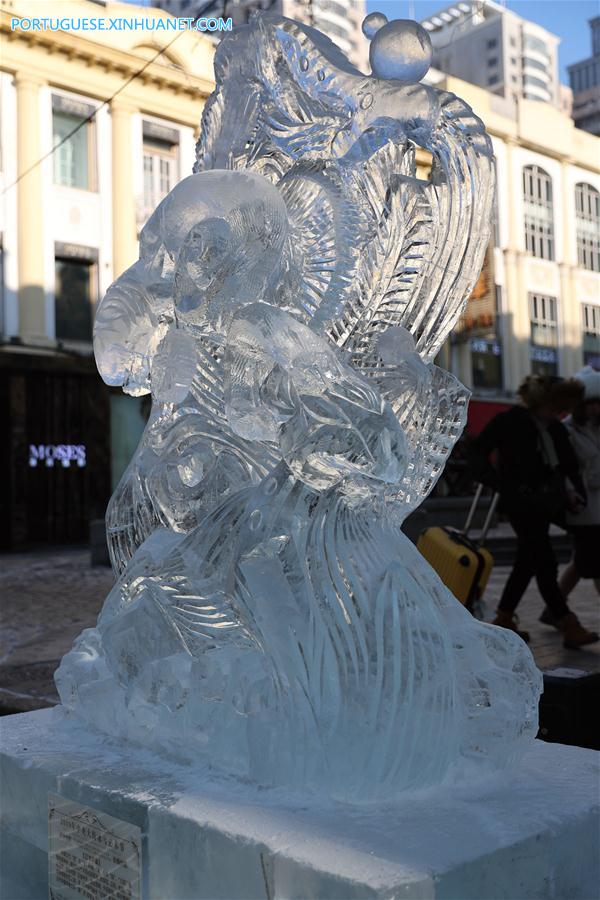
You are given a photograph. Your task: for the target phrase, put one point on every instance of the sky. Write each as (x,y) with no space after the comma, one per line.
(566,18)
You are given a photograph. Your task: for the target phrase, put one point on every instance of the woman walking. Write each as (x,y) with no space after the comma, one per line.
(584,433)
(537,475)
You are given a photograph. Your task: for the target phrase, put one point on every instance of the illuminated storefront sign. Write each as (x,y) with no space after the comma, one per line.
(57,454)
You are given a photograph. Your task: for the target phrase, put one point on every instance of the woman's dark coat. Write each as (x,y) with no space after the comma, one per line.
(520,469)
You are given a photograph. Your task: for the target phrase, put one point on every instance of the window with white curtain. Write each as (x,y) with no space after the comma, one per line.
(587,217)
(74,147)
(539,212)
(160,172)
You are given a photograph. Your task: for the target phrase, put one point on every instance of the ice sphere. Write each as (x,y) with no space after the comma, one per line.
(269,616)
(401,50)
(372,23)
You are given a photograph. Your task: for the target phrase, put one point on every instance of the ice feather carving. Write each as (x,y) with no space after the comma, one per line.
(392,257)
(418,266)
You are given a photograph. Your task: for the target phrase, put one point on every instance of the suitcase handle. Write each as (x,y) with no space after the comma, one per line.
(488,518)
(471,512)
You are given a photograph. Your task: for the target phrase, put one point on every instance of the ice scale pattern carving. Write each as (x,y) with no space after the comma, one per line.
(269,617)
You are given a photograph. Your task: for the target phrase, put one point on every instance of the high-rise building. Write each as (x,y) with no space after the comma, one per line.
(491,46)
(340,20)
(585,84)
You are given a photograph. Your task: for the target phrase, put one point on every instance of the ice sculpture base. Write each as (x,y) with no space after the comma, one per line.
(528,834)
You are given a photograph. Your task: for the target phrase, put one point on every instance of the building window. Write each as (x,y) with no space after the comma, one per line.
(160,172)
(535,44)
(529,62)
(75,293)
(493,79)
(533,81)
(337,8)
(591,335)
(544,334)
(587,216)
(492,61)
(539,214)
(73,156)
(493,42)
(486,364)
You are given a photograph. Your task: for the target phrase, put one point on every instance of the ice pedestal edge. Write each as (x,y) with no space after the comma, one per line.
(532,833)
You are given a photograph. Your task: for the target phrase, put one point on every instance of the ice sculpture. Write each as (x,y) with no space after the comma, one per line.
(269,616)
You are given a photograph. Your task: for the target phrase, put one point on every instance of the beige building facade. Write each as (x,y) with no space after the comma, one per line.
(542,291)
(96,190)
(89,145)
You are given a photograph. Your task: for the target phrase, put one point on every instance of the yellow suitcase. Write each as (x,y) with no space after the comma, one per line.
(464,565)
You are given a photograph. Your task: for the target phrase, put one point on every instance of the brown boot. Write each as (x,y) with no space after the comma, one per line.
(575,634)
(510,621)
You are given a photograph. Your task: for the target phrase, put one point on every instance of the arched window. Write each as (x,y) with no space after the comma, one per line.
(587,217)
(539,213)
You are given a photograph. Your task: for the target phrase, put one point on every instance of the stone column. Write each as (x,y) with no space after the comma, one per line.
(30,219)
(571,328)
(570,324)
(123,200)
(515,346)
(515,336)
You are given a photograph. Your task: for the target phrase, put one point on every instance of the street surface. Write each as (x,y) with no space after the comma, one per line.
(48,597)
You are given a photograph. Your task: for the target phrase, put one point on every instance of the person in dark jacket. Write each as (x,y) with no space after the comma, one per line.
(537,474)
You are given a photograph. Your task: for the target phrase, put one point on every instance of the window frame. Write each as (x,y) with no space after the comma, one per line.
(590,328)
(78,111)
(534,81)
(93,273)
(587,226)
(538,212)
(532,42)
(543,319)
(158,151)
(487,349)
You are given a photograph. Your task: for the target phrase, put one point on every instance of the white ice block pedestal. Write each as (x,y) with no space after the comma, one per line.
(529,833)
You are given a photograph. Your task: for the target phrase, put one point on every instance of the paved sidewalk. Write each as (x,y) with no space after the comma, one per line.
(546,642)
(47,598)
